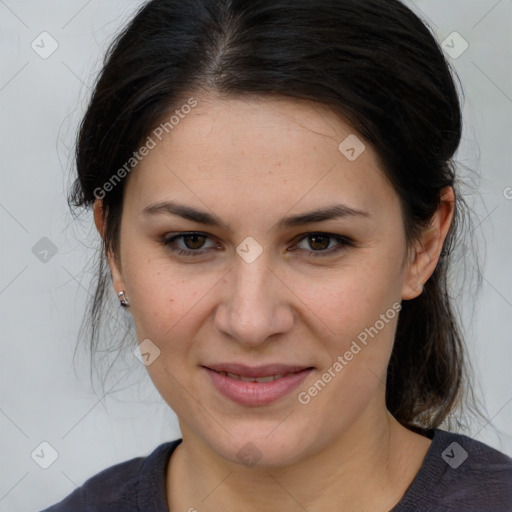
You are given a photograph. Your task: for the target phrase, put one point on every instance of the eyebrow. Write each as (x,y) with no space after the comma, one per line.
(336,211)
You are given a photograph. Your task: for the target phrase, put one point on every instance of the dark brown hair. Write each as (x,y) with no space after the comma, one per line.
(374,62)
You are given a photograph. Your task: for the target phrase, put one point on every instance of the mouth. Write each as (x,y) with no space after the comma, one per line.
(270,378)
(255,386)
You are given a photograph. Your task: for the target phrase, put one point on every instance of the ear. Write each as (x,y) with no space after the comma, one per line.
(428,248)
(115,271)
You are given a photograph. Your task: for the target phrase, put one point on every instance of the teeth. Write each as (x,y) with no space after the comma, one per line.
(270,378)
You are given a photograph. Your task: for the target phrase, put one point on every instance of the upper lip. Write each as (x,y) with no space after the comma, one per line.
(267,370)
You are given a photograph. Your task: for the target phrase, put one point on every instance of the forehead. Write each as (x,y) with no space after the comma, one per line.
(260,151)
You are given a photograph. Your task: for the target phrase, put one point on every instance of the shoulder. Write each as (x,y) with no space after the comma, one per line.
(118,487)
(476,475)
(461,473)
(468,458)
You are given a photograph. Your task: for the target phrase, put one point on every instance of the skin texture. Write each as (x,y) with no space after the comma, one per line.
(252,161)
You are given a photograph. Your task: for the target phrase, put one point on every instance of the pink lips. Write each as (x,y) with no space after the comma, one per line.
(244,392)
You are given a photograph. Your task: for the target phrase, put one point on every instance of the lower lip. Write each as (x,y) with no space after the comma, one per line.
(257,393)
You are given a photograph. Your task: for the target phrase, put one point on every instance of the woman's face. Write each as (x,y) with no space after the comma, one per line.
(259,290)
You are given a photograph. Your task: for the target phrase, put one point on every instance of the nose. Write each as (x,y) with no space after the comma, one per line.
(255,304)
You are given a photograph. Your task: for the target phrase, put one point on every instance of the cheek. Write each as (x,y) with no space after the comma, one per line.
(345,302)
(357,313)
(160,295)
(166,309)
(355,317)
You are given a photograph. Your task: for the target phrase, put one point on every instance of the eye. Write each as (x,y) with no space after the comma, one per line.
(193,241)
(320,243)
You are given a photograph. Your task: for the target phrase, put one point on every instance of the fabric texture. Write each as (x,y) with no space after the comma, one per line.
(458,474)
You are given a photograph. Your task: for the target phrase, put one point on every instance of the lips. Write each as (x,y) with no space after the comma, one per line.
(256,385)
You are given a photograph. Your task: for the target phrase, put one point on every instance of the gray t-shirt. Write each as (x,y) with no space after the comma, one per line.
(458,474)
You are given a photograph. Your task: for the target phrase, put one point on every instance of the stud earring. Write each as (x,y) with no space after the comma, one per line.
(122,299)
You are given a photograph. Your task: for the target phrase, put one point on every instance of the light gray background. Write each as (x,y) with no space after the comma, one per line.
(41,304)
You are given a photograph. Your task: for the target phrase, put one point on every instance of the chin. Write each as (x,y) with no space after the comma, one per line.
(263,446)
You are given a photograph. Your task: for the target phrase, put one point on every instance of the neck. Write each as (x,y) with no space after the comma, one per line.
(369,467)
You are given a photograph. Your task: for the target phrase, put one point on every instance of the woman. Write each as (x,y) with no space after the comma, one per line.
(273,184)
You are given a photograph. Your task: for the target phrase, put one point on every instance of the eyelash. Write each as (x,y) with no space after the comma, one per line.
(343,241)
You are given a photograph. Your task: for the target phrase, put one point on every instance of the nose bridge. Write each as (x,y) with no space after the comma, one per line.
(253,307)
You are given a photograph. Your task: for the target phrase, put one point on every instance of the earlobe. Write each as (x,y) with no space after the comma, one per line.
(429,247)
